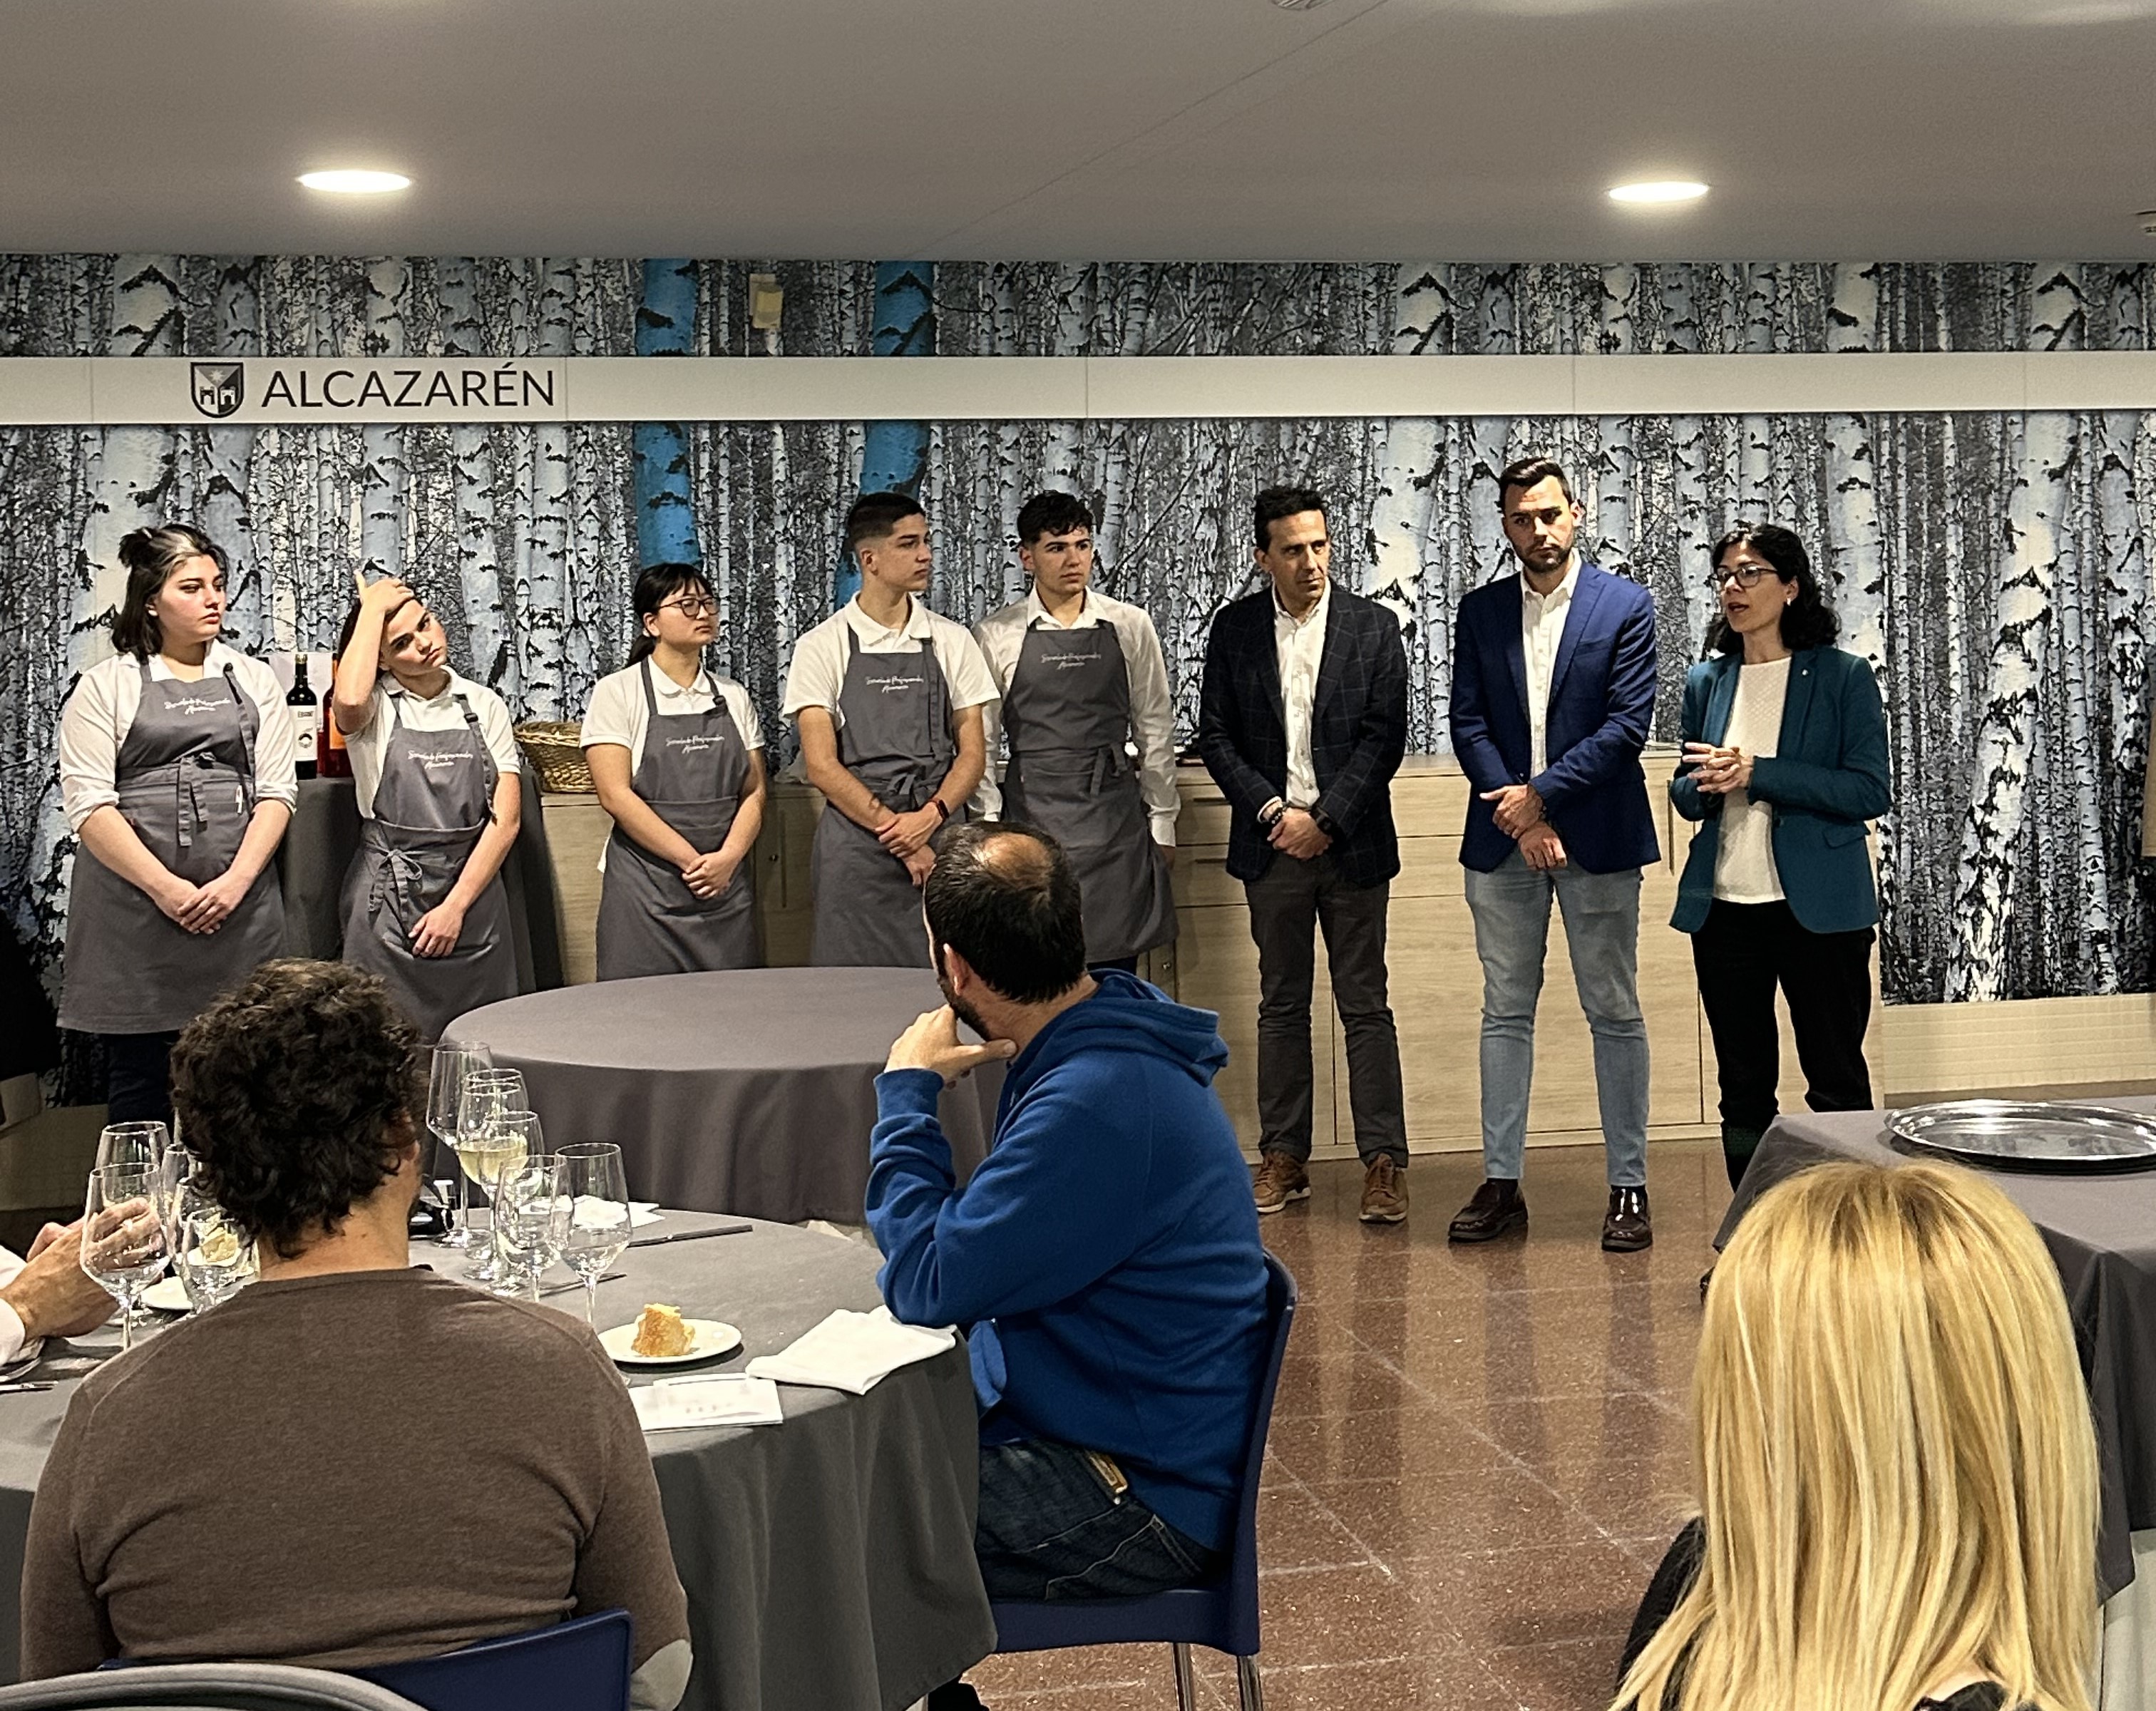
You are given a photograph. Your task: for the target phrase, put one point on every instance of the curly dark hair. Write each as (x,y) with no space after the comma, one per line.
(1809,622)
(297,1093)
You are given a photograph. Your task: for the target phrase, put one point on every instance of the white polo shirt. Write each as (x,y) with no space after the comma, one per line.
(818,670)
(368,745)
(619,713)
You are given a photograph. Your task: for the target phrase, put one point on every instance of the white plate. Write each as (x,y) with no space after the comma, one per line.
(168,1295)
(708,1340)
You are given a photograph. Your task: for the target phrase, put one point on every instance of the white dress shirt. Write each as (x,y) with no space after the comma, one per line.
(95,722)
(11,1321)
(1744,871)
(1300,646)
(1541,632)
(817,670)
(370,743)
(1002,636)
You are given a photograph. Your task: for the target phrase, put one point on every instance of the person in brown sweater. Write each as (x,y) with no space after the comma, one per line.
(355,1461)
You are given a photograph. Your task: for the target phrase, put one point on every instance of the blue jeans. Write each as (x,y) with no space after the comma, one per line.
(1510,906)
(1051,1526)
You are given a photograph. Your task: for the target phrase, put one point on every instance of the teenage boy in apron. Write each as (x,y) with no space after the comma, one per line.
(1085,712)
(888,698)
(424,906)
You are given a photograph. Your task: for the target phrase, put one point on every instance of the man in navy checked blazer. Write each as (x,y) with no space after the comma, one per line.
(1302,721)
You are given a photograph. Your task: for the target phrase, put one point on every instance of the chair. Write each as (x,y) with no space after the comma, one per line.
(1221,1613)
(213,1687)
(582,1665)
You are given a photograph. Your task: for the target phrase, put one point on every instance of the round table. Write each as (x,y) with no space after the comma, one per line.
(828,1561)
(752,1092)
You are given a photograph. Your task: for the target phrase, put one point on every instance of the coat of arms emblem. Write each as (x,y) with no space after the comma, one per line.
(219,388)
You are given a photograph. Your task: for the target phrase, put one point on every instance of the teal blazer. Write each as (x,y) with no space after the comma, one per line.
(1826,778)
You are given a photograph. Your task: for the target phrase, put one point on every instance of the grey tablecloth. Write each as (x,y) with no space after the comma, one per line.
(752,1092)
(2101,1233)
(324,837)
(828,1561)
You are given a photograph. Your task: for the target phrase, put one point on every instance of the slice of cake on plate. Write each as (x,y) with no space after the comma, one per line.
(660,1333)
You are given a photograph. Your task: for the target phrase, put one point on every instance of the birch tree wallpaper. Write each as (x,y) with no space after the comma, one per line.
(1992,567)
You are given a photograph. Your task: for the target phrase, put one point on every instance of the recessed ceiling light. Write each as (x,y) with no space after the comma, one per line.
(353,182)
(1660,190)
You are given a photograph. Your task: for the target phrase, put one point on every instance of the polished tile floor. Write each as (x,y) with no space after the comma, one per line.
(1477,1454)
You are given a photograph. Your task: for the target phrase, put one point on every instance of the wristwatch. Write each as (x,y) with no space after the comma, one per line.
(943,811)
(1324,822)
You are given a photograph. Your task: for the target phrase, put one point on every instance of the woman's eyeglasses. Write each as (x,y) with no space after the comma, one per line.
(1745,576)
(693,606)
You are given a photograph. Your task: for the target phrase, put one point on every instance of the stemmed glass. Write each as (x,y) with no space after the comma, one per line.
(452,1064)
(530,1217)
(483,1143)
(124,1243)
(209,1253)
(596,1187)
(132,1143)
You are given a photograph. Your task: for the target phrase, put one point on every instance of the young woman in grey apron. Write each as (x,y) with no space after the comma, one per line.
(693,771)
(894,736)
(136,970)
(433,803)
(1067,718)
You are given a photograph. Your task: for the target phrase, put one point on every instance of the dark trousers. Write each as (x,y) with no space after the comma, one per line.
(1744,952)
(138,1077)
(1052,1525)
(1288,905)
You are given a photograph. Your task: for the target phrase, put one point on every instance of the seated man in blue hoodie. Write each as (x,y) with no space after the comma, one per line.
(1104,1259)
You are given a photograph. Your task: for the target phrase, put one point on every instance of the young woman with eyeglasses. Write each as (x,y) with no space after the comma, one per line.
(434,767)
(1784,761)
(677,754)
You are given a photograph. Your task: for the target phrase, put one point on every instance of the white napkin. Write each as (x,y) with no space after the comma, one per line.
(723,1399)
(852,1351)
(643,1212)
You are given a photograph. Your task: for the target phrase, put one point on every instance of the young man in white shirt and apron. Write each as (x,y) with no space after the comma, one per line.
(888,698)
(1085,709)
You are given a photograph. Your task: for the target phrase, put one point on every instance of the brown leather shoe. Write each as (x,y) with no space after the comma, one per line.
(1626,1228)
(1498,1205)
(1280,1180)
(1384,1191)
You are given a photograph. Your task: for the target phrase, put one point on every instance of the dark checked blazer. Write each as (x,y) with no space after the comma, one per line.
(1358,730)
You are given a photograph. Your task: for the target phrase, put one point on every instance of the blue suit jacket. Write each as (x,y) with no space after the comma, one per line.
(1826,777)
(1601,704)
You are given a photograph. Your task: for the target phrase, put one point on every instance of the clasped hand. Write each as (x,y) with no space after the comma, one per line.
(710,873)
(932,1043)
(906,835)
(1719,771)
(203,908)
(1296,833)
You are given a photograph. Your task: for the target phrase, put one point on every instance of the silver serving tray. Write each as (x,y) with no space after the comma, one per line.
(2015,1134)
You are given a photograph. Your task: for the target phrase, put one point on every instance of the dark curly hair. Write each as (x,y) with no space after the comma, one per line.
(1809,622)
(296,1094)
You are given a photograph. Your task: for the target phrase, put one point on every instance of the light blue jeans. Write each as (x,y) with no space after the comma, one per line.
(1510,906)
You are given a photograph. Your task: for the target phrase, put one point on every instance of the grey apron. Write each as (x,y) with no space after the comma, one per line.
(691,774)
(1067,716)
(185,774)
(436,799)
(894,736)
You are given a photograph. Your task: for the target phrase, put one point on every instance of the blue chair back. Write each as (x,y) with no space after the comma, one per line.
(1222,1612)
(582,1665)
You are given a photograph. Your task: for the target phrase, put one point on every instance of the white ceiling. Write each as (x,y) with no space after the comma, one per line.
(1084,129)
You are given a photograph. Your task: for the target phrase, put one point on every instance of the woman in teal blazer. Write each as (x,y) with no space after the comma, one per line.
(1784,761)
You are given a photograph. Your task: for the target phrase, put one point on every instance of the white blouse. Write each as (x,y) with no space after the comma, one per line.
(1744,856)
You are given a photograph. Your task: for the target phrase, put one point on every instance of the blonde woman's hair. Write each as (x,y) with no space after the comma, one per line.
(1896,1464)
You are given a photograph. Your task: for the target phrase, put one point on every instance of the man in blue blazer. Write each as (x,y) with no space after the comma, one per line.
(1553,693)
(1302,721)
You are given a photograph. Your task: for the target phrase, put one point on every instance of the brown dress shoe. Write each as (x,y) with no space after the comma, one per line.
(1626,1227)
(1384,1191)
(1498,1207)
(1280,1180)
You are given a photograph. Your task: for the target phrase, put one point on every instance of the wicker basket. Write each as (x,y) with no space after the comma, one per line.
(552,750)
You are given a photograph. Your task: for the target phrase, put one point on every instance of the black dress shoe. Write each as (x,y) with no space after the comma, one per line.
(1626,1228)
(1498,1205)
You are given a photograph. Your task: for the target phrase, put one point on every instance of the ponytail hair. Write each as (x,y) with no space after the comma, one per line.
(656,585)
(150,557)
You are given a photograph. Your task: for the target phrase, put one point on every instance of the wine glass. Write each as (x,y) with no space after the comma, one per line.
(596,1187)
(530,1217)
(489,1094)
(132,1143)
(445,1090)
(210,1254)
(124,1245)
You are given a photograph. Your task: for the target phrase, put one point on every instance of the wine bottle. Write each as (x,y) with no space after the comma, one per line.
(306,713)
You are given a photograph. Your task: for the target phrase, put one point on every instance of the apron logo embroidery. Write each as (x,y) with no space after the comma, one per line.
(434,759)
(894,682)
(1068,662)
(694,745)
(195,704)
